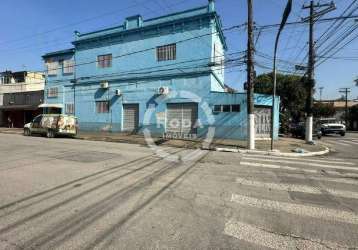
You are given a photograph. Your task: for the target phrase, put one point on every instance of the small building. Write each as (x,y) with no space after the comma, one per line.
(340,107)
(21,93)
(162,76)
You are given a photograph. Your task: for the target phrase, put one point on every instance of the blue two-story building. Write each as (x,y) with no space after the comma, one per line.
(162,75)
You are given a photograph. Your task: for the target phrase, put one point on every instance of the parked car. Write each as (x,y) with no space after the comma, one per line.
(332,126)
(52,125)
(299,131)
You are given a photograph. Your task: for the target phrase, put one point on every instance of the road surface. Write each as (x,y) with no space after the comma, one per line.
(76,194)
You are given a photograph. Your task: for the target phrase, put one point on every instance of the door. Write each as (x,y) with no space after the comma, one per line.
(263,122)
(181,118)
(130,117)
(36,124)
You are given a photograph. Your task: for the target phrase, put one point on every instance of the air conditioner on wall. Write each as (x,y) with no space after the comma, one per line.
(163,90)
(104,85)
(118,92)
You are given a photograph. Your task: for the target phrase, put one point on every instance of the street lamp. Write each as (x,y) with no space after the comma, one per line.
(285,16)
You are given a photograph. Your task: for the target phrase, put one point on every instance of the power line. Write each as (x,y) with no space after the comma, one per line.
(151,48)
(142,70)
(70,25)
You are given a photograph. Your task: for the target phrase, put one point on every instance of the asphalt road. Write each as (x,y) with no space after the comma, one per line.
(74,194)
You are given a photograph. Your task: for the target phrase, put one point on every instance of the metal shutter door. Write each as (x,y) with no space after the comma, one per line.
(181,117)
(174,117)
(190,115)
(130,117)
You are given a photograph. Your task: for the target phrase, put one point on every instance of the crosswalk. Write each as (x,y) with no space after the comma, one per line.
(344,142)
(319,179)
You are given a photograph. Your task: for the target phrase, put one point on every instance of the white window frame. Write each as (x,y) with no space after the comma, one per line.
(70,108)
(166,52)
(68,66)
(104,61)
(52,67)
(52,92)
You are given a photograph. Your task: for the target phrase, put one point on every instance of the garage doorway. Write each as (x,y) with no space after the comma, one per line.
(130,117)
(181,118)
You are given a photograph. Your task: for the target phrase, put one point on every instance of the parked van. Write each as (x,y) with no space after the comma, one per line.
(52,125)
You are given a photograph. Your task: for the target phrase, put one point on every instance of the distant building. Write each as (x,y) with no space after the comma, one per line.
(340,107)
(21,93)
(164,75)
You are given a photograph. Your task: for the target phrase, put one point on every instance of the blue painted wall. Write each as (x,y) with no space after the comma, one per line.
(192,77)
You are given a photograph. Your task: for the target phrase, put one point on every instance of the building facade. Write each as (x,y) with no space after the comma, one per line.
(163,75)
(21,93)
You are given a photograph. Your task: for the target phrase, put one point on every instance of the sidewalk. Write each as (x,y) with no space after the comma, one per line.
(283,145)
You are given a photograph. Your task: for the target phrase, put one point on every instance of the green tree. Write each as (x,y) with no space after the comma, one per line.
(323,110)
(353,115)
(293,94)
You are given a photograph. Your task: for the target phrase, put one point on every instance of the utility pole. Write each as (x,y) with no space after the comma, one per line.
(345,91)
(285,16)
(250,78)
(320,93)
(311,61)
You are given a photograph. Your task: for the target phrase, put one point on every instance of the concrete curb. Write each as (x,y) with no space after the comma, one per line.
(273,153)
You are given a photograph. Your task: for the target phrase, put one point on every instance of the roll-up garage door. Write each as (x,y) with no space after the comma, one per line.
(130,117)
(181,118)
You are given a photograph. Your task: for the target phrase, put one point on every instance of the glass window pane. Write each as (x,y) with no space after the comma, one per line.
(226,108)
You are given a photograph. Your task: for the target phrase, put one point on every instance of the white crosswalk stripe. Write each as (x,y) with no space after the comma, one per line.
(296,188)
(326,175)
(325,178)
(345,143)
(317,171)
(265,238)
(272,166)
(350,142)
(304,163)
(328,160)
(297,209)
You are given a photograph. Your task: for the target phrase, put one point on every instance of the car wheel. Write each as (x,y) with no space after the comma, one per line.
(343,134)
(27,132)
(50,134)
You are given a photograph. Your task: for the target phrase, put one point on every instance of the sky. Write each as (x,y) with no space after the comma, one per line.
(32,28)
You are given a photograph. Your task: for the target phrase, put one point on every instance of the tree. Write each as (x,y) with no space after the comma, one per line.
(323,110)
(356,81)
(292,90)
(353,116)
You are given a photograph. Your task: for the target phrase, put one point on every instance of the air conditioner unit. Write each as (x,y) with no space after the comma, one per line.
(163,90)
(104,85)
(118,92)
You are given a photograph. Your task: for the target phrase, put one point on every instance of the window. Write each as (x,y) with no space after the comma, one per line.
(104,61)
(69,108)
(235,108)
(102,107)
(226,108)
(52,92)
(37,119)
(167,52)
(217,108)
(68,66)
(51,67)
